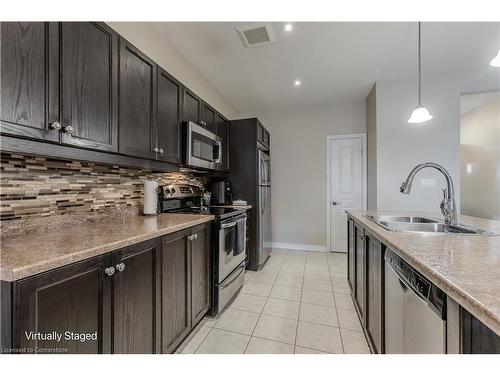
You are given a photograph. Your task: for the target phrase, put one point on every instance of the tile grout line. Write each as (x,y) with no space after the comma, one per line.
(263,307)
(300,305)
(336,311)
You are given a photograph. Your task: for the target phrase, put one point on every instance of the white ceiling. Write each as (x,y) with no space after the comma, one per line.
(334,60)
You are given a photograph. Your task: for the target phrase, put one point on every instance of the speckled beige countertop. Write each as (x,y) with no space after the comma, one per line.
(28,254)
(466,267)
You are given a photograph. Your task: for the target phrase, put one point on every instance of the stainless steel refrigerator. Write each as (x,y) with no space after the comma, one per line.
(264,207)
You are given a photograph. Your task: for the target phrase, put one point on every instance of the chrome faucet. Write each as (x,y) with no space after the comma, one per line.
(448,206)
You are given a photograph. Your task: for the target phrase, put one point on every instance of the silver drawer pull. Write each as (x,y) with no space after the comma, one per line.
(120,267)
(110,271)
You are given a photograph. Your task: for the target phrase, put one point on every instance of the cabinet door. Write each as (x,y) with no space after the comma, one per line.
(222,130)
(137,105)
(374,293)
(200,273)
(175,290)
(169,118)
(89,58)
(29,61)
(208,117)
(351,256)
(191,107)
(136,299)
(75,298)
(360,270)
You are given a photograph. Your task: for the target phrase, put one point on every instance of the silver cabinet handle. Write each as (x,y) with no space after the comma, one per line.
(156,150)
(55,126)
(69,129)
(161,151)
(189,237)
(110,271)
(334,203)
(195,236)
(120,267)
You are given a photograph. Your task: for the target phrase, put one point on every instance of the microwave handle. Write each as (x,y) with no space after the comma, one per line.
(219,146)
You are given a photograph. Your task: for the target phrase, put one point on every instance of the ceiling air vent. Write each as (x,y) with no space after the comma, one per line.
(256,35)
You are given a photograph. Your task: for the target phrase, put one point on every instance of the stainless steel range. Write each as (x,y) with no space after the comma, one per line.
(228,239)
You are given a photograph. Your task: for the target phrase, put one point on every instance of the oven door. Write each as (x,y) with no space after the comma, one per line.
(203,148)
(229,258)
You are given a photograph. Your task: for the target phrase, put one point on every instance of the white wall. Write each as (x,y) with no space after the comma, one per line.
(480,160)
(400,146)
(298,171)
(157,47)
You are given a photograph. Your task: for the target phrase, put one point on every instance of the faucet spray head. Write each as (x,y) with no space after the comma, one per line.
(405,187)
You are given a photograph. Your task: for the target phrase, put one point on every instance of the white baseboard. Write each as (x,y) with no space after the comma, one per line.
(297,246)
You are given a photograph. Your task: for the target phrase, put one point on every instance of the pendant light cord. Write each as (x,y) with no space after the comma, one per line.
(419,68)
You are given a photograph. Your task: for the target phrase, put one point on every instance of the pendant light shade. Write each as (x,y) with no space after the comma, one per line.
(419,114)
(496,60)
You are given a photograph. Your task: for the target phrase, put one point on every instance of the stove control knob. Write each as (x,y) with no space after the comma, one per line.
(166,192)
(172,191)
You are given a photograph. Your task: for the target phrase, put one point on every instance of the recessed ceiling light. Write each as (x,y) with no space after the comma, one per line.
(297,82)
(288,27)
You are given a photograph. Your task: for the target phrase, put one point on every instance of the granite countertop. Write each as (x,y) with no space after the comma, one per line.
(24,255)
(466,267)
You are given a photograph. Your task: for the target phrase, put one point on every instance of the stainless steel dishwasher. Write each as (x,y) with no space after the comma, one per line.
(415,310)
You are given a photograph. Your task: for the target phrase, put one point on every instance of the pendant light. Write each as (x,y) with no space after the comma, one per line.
(419,114)
(496,60)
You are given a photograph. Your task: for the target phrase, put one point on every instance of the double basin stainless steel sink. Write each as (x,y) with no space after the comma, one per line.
(419,224)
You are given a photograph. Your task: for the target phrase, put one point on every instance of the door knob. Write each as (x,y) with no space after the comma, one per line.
(334,203)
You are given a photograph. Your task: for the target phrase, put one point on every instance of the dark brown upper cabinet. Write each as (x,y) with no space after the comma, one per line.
(136,292)
(175,290)
(137,105)
(89,96)
(263,135)
(29,60)
(75,298)
(168,127)
(208,117)
(222,130)
(192,104)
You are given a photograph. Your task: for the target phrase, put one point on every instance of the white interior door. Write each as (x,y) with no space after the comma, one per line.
(347,181)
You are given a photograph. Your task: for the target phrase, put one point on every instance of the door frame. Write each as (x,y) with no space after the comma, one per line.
(329,138)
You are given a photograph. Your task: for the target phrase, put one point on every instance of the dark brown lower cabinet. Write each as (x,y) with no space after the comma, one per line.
(136,298)
(351,255)
(144,298)
(72,300)
(375,292)
(200,273)
(476,337)
(360,270)
(175,287)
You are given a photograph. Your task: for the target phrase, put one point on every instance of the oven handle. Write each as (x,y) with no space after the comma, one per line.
(228,225)
(225,284)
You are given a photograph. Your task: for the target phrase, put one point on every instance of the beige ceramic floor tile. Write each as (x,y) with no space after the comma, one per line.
(318,297)
(341,288)
(319,337)
(301,350)
(354,342)
(291,272)
(348,319)
(257,289)
(287,280)
(319,314)
(249,302)
(195,339)
(315,275)
(238,321)
(263,346)
(343,301)
(281,307)
(324,285)
(285,292)
(210,322)
(276,328)
(264,277)
(223,342)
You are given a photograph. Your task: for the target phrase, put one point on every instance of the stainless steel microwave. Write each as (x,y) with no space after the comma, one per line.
(202,148)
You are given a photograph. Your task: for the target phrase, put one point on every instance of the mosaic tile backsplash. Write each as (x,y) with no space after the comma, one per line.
(35,187)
